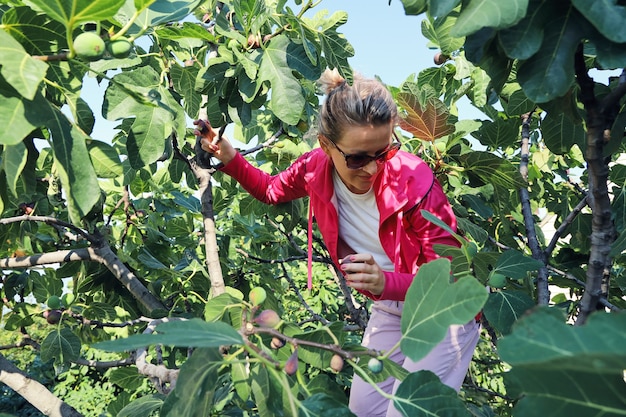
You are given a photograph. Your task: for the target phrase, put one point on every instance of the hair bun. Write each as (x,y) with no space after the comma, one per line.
(330,80)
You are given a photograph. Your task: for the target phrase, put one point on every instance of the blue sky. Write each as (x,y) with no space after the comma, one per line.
(387,43)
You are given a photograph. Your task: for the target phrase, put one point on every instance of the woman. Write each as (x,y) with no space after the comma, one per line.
(366,196)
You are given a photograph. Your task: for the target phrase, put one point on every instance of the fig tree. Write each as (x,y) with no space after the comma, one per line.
(375,365)
(119,48)
(257,295)
(89,46)
(267,318)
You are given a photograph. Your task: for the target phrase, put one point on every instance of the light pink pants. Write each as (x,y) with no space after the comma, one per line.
(449,360)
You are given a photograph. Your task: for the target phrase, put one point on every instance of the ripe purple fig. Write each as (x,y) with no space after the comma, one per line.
(267,318)
(440,58)
(291,366)
(53,316)
(336,363)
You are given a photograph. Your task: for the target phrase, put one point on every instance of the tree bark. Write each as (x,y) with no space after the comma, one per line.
(103,255)
(543,292)
(602,228)
(34,392)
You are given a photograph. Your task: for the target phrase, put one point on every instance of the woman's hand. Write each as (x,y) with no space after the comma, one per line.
(363,273)
(211,142)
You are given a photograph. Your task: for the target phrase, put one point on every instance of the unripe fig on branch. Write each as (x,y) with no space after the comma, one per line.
(119,48)
(336,363)
(54,302)
(89,46)
(375,365)
(267,318)
(257,295)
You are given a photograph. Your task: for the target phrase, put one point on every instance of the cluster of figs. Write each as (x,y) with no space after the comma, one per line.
(89,46)
(269,318)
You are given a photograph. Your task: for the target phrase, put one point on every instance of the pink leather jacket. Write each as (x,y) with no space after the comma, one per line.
(404,187)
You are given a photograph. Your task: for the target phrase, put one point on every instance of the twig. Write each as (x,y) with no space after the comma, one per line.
(566,223)
(52,221)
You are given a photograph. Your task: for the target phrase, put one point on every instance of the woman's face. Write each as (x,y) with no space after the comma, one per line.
(359,140)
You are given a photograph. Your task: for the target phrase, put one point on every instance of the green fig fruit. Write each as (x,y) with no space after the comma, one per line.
(257,295)
(89,46)
(119,48)
(375,365)
(497,280)
(54,302)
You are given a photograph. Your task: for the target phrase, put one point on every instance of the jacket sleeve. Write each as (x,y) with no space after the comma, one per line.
(270,189)
(424,235)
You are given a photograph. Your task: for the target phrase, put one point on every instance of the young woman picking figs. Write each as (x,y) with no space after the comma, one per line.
(366,195)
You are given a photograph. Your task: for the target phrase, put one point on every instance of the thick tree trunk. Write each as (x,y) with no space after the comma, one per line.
(602,227)
(34,392)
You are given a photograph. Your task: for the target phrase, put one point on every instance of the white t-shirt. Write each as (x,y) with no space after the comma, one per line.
(358,222)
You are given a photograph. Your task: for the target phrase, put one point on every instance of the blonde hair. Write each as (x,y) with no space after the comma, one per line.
(365,102)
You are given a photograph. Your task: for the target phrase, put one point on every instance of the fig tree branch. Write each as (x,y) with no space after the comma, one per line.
(51,221)
(102,255)
(300,342)
(564,225)
(543,293)
(34,392)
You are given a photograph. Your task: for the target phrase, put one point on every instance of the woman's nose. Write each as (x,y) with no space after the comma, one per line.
(371,168)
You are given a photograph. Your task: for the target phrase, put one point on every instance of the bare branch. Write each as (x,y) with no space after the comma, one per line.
(34,392)
(103,255)
(52,221)
(566,223)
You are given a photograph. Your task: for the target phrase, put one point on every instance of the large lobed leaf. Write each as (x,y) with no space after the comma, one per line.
(606,15)
(562,370)
(426,121)
(62,345)
(504,308)
(154,12)
(422,394)
(196,385)
(19,69)
(279,60)
(492,169)
(74,12)
(156,113)
(477,14)
(433,304)
(549,73)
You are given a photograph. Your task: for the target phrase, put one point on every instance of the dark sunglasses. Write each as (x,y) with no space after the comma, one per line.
(357,161)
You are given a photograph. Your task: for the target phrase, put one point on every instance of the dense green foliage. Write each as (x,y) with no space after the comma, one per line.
(152,253)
